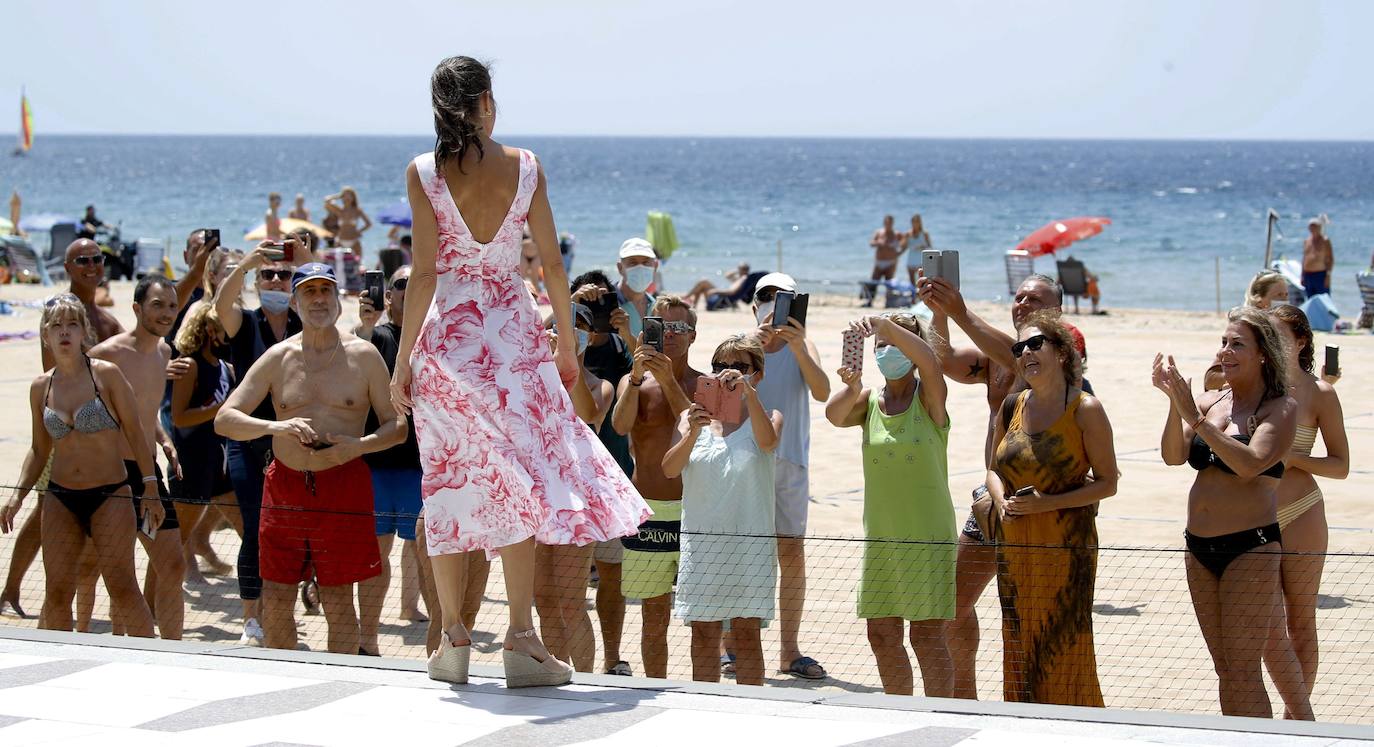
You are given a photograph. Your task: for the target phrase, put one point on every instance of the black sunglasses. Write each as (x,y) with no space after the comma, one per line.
(399,284)
(84,260)
(1032,343)
(743,368)
(764,295)
(274,274)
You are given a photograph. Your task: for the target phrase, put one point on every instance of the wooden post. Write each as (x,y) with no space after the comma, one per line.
(1218,263)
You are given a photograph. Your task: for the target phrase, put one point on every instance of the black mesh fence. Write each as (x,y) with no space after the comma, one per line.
(1115,626)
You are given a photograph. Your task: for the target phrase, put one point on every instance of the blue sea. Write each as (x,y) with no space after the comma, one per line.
(1175,206)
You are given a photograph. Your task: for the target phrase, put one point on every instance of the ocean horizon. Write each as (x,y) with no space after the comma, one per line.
(1177,206)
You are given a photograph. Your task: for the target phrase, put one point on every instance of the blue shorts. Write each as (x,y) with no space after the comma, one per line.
(396,501)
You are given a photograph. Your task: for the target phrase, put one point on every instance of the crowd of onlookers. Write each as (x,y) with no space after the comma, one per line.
(722,457)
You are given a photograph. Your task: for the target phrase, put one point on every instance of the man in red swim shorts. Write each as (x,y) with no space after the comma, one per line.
(317,496)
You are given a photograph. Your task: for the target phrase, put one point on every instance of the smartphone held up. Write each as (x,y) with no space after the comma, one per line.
(719,400)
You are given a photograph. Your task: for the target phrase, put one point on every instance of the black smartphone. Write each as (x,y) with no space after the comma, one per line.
(1025,491)
(782,307)
(374,284)
(653,332)
(798,310)
(211,236)
(601,309)
(1333,361)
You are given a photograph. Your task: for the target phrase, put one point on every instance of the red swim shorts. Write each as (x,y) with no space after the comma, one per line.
(320,522)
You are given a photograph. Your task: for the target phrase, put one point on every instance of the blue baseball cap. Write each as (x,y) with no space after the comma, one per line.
(312,271)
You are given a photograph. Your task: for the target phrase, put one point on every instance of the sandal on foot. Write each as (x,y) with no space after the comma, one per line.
(449,663)
(310,597)
(806,668)
(727,665)
(523,670)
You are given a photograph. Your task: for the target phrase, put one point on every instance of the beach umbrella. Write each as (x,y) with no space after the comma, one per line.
(287,226)
(395,215)
(1055,236)
(45,221)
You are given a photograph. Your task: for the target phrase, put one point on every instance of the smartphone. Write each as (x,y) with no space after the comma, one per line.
(653,332)
(721,403)
(1333,362)
(949,267)
(284,252)
(1025,491)
(211,236)
(852,354)
(798,310)
(782,307)
(374,285)
(601,309)
(147,527)
(930,263)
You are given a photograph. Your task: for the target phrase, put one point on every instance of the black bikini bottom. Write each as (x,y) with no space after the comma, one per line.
(1215,553)
(83,503)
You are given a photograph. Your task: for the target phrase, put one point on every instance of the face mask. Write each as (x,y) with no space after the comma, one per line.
(763,311)
(274,302)
(583,337)
(639,277)
(892,363)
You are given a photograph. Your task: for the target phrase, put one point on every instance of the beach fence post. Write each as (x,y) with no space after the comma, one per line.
(1218,263)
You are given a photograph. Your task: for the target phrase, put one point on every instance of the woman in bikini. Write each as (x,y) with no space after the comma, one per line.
(1054,462)
(344,208)
(1301,513)
(913,244)
(83,410)
(1237,440)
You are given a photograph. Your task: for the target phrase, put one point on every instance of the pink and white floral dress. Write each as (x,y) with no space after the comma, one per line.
(504,456)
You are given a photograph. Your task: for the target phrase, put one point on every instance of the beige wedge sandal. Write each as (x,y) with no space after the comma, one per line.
(449,663)
(523,670)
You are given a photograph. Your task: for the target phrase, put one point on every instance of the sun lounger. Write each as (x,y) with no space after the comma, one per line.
(1020,265)
(1073,279)
(24,260)
(1365,279)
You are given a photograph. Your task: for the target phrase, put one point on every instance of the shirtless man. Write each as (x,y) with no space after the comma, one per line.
(85,266)
(317,510)
(272,220)
(1317,260)
(142,356)
(299,212)
(886,249)
(989,363)
(649,401)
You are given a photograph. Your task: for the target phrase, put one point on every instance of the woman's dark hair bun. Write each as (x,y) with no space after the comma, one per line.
(455,89)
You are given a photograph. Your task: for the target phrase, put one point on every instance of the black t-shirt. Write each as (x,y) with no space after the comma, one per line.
(611,361)
(171,338)
(387,339)
(254,337)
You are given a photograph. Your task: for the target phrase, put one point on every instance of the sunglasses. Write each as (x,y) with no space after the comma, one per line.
(678,328)
(399,284)
(1032,343)
(53,301)
(765,295)
(86,260)
(274,274)
(743,368)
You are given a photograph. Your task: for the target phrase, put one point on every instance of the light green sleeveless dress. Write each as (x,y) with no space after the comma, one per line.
(908,564)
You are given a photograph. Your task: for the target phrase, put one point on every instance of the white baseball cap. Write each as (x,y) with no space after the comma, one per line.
(637,247)
(779,280)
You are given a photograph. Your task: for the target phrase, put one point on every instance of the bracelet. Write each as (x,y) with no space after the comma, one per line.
(1200,420)
(636,383)
(150,478)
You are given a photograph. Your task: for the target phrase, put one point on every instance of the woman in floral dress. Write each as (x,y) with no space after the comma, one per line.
(506,461)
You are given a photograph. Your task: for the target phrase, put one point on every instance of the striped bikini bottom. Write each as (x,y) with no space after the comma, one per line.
(1290,513)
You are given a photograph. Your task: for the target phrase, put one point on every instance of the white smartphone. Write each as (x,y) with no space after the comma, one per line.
(147,527)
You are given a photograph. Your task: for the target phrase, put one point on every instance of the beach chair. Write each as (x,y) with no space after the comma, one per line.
(25,265)
(1365,279)
(1073,279)
(1020,265)
(149,257)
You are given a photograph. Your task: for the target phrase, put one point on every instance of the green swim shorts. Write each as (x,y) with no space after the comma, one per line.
(650,565)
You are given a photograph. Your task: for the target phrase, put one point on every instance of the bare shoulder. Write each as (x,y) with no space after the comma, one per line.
(40,383)
(360,350)
(106,371)
(1090,410)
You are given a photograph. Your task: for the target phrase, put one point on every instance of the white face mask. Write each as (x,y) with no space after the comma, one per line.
(639,277)
(763,310)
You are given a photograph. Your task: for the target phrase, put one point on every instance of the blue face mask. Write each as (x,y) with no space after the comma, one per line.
(274,302)
(639,277)
(583,337)
(892,363)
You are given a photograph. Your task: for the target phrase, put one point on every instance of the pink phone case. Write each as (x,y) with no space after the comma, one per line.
(722,404)
(852,355)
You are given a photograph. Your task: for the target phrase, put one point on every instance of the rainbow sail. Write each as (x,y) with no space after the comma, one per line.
(25,123)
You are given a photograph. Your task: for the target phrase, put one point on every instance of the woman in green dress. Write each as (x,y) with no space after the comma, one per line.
(911,539)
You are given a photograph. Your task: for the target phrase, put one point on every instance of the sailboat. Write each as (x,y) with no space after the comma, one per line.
(25,125)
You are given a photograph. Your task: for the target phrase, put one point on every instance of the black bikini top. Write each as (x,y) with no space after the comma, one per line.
(1201,456)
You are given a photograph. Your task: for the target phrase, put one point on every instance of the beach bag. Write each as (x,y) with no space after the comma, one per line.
(1321,313)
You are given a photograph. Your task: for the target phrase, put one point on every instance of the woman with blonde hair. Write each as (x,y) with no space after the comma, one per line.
(1266,289)
(911,537)
(345,209)
(83,412)
(1237,440)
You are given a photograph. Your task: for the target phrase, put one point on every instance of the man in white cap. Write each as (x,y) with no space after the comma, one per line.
(1317,260)
(317,503)
(637,265)
(792,377)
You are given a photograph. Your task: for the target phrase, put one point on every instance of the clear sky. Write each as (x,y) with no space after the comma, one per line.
(951,68)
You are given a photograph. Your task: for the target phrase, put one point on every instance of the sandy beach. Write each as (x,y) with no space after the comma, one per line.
(1150,653)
